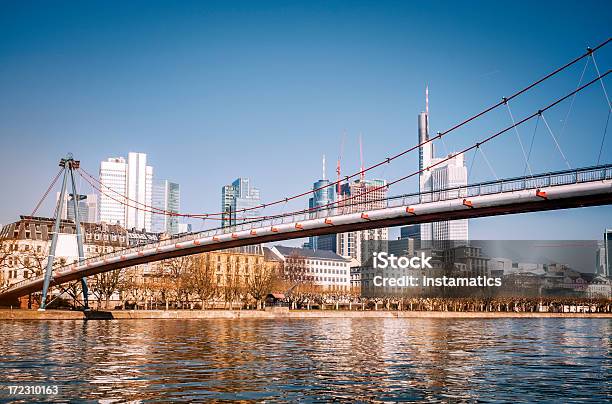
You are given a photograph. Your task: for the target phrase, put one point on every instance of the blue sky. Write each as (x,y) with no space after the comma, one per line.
(216,90)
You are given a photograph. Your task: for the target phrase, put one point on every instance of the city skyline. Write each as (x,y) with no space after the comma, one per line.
(379,98)
(394,232)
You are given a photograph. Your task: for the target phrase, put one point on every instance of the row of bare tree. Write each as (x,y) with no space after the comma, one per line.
(178,281)
(181,281)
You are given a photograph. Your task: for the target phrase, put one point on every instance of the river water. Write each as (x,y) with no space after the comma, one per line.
(498,360)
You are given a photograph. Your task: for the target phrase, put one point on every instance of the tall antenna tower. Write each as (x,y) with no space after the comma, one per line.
(338,188)
(362,172)
(323,167)
(427,107)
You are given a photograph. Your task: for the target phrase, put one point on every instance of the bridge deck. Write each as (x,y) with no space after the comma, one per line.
(559,190)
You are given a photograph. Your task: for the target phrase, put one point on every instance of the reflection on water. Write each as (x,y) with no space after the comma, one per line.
(510,360)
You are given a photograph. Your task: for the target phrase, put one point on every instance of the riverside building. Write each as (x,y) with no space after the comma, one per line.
(324,269)
(24,245)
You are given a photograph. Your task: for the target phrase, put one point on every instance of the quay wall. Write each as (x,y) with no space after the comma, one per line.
(272,314)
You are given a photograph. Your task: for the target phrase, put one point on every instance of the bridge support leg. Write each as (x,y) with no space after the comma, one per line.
(56,230)
(79,234)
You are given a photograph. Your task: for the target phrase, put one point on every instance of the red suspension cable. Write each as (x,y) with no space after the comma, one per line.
(474,146)
(478,144)
(504,100)
(40,202)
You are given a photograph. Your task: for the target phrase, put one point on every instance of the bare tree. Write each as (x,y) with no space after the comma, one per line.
(261,280)
(174,270)
(130,286)
(6,250)
(202,278)
(34,261)
(148,291)
(162,286)
(294,271)
(233,283)
(105,284)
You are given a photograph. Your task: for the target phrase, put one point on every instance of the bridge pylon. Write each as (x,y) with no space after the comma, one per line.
(69,164)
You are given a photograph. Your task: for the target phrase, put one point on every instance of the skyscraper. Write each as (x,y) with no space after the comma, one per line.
(132,183)
(447,174)
(412,231)
(237,196)
(92,208)
(358,196)
(323,196)
(87,204)
(166,196)
(606,268)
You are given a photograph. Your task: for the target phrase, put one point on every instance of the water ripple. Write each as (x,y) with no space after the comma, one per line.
(316,360)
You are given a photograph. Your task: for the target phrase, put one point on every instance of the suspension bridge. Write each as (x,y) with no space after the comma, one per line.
(571,188)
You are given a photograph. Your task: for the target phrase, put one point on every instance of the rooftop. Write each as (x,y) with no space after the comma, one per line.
(308,253)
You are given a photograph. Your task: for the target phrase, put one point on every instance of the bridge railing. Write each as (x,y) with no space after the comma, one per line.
(565,177)
(485,188)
